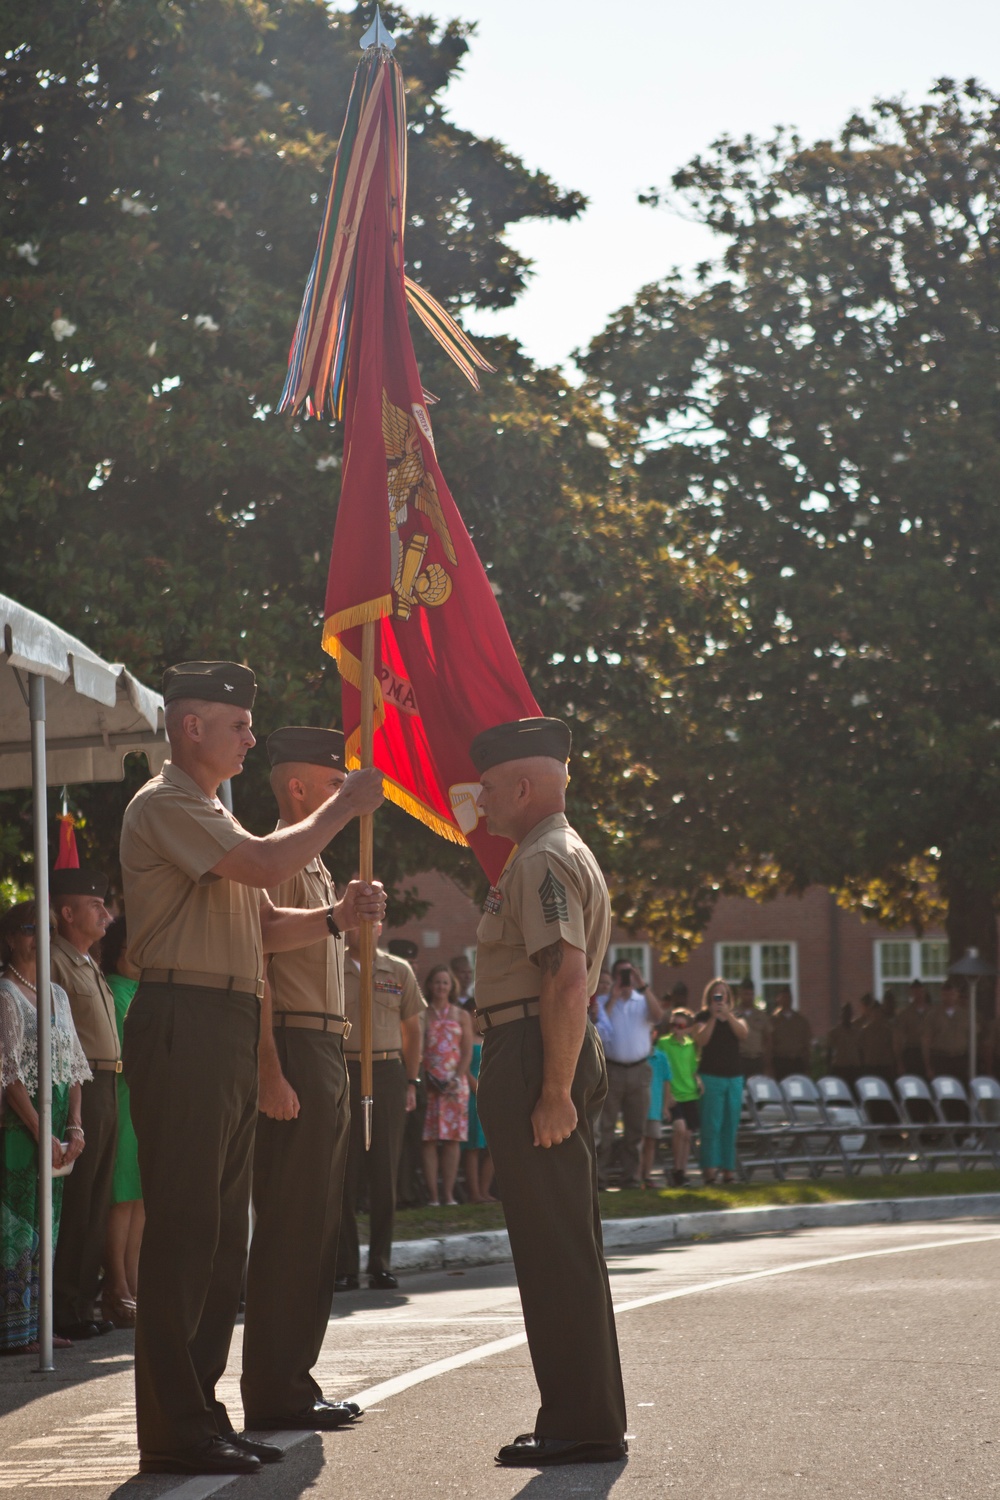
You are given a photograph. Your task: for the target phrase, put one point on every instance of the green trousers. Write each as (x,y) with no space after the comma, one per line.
(76,1273)
(191,1065)
(377,1168)
(298,1185)
(553,1216)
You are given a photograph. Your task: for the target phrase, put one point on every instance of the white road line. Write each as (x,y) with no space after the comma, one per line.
(387,1388)
(202,1486)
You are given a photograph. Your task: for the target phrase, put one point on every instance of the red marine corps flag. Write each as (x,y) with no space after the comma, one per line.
(402,563)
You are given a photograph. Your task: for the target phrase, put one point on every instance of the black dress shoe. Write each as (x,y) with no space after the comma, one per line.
(105,1326)
(322,1416)
(217,1456)
(267,1453)
(76,1331)
(531,1452)
(346,1284)
(382,1281)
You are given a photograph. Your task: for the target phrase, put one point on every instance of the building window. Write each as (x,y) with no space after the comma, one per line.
(637,954)
(898,961)
(771,966)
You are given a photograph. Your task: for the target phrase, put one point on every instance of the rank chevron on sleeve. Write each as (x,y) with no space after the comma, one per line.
(552,893)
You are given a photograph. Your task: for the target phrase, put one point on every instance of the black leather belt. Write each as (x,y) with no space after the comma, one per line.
(614,1063)
(104,1064)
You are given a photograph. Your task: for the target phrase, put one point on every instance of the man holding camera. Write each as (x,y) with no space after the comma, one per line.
(624,1017)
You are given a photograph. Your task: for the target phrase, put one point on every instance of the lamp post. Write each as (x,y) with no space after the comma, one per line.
(975,968)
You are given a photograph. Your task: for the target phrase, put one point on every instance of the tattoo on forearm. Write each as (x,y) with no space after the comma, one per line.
(550,958)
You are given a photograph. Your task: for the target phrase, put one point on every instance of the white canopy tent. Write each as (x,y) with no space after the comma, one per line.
(66,716)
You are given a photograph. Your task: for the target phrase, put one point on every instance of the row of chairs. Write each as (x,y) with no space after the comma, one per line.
(798,1124)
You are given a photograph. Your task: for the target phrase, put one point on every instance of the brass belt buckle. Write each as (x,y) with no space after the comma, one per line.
(118,1066)
(348,1028)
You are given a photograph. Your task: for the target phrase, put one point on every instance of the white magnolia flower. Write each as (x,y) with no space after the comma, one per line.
(151,350)
(571,601)
(203,320)
(261,91)
(62,328)
(28,251)
(597,440)
(99,385)
(133,206)
(328,461)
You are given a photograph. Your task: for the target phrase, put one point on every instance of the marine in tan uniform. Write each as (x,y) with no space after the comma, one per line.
(397,1006)
(755,1046)
(876,1043)
(791,1038)
(303,1124)
(78,902)
(946,1035)
(195,893)
(908,1031)
(542,1083)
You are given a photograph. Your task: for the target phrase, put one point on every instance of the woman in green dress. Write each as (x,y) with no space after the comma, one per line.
(19,1236)
(127,1217)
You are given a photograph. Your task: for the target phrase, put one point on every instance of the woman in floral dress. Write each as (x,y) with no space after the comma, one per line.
(447,1055)
(19,1220)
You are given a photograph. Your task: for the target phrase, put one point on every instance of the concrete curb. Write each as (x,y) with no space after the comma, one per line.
(492,1247)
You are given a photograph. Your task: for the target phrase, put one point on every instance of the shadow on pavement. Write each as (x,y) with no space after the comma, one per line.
(595,1481)
(297,1473)
(21,1381)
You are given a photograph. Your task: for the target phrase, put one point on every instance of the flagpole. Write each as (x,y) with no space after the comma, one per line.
(366,870)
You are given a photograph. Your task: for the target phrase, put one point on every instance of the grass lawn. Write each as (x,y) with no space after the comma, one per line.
(431,1223)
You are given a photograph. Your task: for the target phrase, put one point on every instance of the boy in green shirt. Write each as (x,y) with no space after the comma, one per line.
(681,1093)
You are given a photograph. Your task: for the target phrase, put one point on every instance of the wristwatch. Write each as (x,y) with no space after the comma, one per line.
(414,1081)
(334,929)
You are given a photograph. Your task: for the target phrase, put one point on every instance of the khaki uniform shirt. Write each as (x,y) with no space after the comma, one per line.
(310,978)
(844,1047)
(910,1025)
(875,1042)
(791,1036)
(91,1001)
(948,1036)
(396,997)
(552,889)
(180,916)
(754,1045)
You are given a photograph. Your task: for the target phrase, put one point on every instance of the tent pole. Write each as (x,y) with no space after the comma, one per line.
(39,802)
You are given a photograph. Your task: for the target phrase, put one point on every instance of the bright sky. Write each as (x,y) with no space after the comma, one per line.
(611,99)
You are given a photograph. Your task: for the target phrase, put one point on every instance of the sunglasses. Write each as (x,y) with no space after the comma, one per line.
(28,927)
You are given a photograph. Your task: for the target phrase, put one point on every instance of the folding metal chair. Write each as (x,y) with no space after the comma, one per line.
(984,1100)
(772,1140)
(842,1110)
(921,1110)
(893,1137)
(955,1106)
(821,1146)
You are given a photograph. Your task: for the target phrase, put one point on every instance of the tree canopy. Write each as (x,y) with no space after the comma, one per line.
(820,413)
(164,164)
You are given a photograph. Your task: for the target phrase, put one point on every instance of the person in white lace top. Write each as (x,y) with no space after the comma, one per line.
(19,1079)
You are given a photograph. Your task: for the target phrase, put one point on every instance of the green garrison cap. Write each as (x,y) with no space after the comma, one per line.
(520,740)
(78,883)
(311,747)
(211,681)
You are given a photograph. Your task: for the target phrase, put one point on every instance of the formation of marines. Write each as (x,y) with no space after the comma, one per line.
(238,1054)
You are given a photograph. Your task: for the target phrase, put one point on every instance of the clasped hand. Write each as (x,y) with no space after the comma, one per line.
(361,903)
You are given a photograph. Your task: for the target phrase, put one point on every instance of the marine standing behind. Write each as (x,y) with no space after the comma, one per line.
(78,901)
(195,884)
(542,1083)
(397,1007)
(302,1126)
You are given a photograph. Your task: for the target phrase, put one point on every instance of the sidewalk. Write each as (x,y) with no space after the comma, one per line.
(492,1247)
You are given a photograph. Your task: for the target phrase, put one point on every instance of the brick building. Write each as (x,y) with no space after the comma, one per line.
(825,954)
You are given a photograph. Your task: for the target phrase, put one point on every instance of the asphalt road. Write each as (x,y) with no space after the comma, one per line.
(841,1363)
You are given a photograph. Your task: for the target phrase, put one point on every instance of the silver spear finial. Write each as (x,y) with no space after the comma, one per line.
(377,35)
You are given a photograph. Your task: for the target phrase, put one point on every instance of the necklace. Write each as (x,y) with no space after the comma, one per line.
(26,982)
